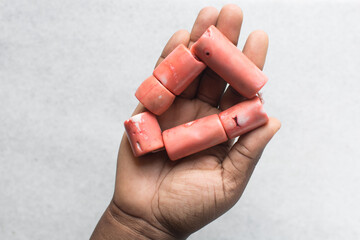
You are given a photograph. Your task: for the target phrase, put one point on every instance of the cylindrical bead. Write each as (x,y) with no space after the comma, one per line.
(193,137)
(154,96)
(178,69)
(243,117)
(144,133)
(222,56)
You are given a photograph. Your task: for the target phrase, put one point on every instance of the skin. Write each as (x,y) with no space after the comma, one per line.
(156,198)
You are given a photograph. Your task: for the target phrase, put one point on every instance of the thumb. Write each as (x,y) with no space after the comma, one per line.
(241,160)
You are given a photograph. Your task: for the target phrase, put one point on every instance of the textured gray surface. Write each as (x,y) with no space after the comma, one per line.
(68,71)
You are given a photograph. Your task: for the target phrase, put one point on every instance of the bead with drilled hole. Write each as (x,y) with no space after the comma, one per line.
(224,58)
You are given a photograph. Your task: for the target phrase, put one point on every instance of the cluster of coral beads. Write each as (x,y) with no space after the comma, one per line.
(173,75)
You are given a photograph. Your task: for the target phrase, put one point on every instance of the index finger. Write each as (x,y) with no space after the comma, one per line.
(207,16)
(179,37)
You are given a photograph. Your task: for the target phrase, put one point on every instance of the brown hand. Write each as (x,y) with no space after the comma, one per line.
(178,198)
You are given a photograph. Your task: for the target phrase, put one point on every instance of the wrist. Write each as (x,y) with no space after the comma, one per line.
(116,224)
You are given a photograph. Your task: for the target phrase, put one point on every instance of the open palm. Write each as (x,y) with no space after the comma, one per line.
(180,197)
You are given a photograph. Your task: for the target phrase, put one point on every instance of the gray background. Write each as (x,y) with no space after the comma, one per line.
(68,72)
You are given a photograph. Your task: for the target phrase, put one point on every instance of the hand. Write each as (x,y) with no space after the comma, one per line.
(161,199)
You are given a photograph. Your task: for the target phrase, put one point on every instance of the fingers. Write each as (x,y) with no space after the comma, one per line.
(255,49)
(180,37)
(230,21)
(206,17)
(211,85)
(244,155)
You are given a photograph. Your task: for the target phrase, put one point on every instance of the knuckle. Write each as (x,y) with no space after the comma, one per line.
(244,152)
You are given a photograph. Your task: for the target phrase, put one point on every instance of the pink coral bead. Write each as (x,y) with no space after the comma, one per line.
(193,137)
(154,96)
(243,117)
(144,133)
(178,69)
(224,58)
